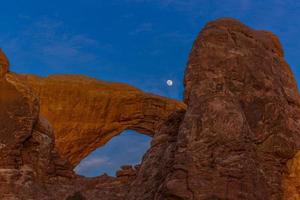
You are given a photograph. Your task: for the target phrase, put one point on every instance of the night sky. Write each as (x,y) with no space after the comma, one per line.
(140,42)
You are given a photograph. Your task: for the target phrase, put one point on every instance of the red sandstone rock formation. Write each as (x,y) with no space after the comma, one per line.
(28,158)
(291,181)
(237,139)
(4,64)
(244,107)
(240,128)
(31,168)
(86,113)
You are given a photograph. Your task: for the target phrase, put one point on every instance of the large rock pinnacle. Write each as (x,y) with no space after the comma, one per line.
(242,122)
(240,128)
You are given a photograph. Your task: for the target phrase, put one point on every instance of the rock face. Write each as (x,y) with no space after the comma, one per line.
(86,113)
(30,165)
(243,114)
(28,158)
(4,64)
(158,163)
(238,138)
(291,181)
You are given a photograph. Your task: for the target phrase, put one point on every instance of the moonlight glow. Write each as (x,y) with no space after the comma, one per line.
(169,83)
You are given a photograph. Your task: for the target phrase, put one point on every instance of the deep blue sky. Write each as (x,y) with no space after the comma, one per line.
(140,42)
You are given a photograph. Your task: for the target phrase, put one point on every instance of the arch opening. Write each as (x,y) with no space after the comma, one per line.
(124,149)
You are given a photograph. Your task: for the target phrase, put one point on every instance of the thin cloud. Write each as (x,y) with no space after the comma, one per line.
(52,40)
(142,28)
(90,164)
(52,43)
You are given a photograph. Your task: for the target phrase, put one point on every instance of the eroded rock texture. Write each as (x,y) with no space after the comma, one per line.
(4,64)
(242,122)
(31,167)
(28,158)
(238,138)
(291,181)
(86,113)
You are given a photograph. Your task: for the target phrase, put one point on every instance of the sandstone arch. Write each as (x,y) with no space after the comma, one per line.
(86,113)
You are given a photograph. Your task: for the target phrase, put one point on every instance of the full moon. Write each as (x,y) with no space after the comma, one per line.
(169,83)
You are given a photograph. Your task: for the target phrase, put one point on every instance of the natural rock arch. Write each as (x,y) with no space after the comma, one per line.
(86,113)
